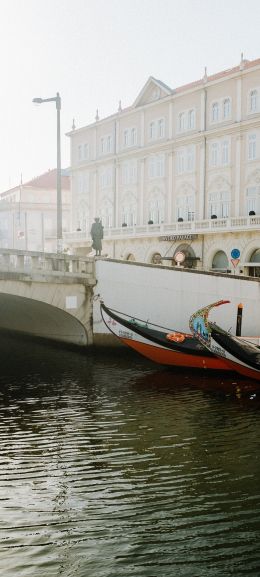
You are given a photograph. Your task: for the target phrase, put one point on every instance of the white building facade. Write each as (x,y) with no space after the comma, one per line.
(178,171)
(28,213)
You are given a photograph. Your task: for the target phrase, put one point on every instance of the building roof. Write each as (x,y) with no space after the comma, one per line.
(46,181)
(243,66)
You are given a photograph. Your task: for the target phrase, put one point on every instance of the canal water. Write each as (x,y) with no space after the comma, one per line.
(111,466)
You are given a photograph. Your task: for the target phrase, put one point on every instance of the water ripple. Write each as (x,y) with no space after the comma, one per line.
(110,468)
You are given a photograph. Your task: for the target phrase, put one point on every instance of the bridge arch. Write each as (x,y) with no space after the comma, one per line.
(40,319)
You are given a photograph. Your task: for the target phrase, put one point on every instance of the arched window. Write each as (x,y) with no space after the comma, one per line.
(130,257)
(252,146)
(226,108)
(225,152)
(133,136)
(220,261)
(156,258)
(215,112)
(161,128)
(214,154)
(254,269)
(181,122)
(253,101)
(152,131)
(191,119)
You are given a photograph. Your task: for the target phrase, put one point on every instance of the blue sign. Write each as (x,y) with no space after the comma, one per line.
(235,253)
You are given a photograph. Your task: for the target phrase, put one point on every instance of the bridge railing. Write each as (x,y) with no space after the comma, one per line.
(46,263)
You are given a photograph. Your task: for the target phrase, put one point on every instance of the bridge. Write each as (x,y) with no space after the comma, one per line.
(47,295)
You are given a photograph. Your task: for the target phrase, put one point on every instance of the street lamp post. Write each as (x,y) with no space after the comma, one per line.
(56,99)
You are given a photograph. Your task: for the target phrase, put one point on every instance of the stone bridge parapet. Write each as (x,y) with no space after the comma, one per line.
(41,264)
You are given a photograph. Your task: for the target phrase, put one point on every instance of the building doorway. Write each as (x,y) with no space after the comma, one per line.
(190,257)
(254,268)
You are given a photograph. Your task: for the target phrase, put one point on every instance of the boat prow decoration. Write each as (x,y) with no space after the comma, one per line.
(238,354)
(199,324)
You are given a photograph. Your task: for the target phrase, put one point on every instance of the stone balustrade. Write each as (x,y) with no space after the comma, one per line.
(12,260)
(239,223)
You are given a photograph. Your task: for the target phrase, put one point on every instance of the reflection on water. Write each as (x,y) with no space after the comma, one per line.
(111,467)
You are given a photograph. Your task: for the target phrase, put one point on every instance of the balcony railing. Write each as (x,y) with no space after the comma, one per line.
(216,225)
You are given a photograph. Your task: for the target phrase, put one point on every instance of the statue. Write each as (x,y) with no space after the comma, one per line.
(97,235)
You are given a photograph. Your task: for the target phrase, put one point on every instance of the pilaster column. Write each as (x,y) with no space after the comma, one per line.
(95,192)
(203,111)
(95,145)
(142,130)
(170,127)
(117,143)
(170,187)
(116,195)
(239,100)
(237,176)
(142,192)
(202,179)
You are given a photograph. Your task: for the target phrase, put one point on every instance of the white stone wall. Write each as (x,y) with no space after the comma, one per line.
(168,296)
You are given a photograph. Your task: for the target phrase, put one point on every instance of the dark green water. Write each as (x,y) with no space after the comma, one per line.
(111,468)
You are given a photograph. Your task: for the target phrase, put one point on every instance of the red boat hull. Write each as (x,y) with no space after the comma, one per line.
(174,358)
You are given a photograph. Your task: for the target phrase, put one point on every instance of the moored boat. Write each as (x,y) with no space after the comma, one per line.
(239,354)
(159,344)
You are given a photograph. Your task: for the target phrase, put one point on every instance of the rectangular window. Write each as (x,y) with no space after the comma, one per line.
(133,172)
(79,152)
(156,166)
(214,156)
(152,167)
(224,152)
(219,204)
(180,162)
(106,178)
(125,174)
(190,158)
(253,200)
(160,166)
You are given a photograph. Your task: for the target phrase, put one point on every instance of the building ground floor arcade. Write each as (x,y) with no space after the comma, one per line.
(204,252)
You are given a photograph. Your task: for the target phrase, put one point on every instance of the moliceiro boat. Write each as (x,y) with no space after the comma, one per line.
(159,344)
(239,354)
